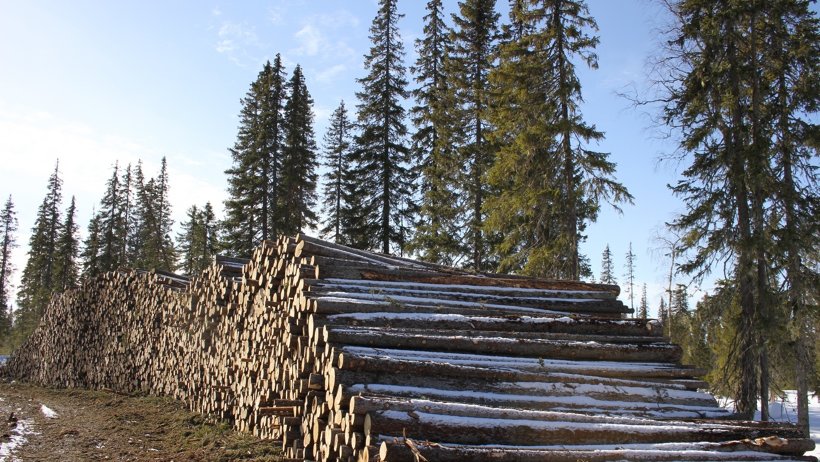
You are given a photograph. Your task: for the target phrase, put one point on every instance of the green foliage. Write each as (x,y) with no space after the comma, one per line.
(8,242)
(437,235)
(607,267)
(548,183)
(467,67)
(67,252)
(382,171)
(337,187)
(198,240)
(254,209)
(298,181)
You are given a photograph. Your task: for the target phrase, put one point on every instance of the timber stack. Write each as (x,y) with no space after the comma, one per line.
(346,355)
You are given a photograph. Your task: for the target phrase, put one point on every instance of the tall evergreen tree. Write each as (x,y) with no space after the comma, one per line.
(607,267)
(382,156)
(157,247)
(298,159)
(474,38)
(37,282)
(111,228)
(550,183)
(8,242)
(337,160)
(722,92)
(436,238)
(92,246)
(66,267)
(254,207)
(643,309)
(630,275)
(187,240)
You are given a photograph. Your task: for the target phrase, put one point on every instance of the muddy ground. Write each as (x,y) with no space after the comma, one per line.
(97,425)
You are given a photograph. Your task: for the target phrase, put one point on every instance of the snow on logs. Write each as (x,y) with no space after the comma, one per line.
(346,355)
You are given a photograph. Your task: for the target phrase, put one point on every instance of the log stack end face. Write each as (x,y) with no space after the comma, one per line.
(384,358)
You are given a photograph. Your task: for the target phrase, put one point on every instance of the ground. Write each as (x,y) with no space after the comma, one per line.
(79,425)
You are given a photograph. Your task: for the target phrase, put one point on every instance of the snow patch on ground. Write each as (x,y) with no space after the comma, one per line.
(785,410)
(48,412)
(17,437)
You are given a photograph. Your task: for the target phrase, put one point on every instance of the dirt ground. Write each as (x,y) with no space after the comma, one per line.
(96,425)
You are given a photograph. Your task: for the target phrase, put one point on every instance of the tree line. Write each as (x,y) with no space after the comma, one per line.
(493,167)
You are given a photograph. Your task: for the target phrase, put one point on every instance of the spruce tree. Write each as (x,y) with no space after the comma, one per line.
(550,184)
(254,209)
(8,242)
(643,310)
(92,246)
(380,151)
(630,275)
(111,227)
(723,93)
(211,239)
(37,281)
(436,238)
(607,267)
(298,159)
(157,247)
(337,160)
(473,38)
(66,267)
(187,240)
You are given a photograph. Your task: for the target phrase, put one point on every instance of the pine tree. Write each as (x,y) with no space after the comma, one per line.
(644,306)
(126,197)
(630,275)
(187,240)
(550,184)
(473,38)
(92,246)
(722,93)
(254,207)
(157,248)
(66,268)
(111,228)
(37,282)
(337,152)
(664,315)
(8,242)
(436,238)
(298,159)
(382,157)
(607,267)
(211,239)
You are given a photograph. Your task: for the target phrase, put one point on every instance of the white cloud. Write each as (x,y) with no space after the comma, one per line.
(311,40)
(235,40)
(327,75)
(338,19)
(276,15)
(216,11)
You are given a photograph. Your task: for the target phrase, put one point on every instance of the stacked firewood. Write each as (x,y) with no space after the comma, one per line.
(346,355)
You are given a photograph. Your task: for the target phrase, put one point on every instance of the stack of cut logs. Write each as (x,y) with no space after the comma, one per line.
(346,355)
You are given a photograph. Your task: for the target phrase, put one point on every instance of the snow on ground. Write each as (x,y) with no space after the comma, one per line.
(48,412)
(785,410)
(17,437)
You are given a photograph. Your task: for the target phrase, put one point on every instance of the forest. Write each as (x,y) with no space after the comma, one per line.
(477,156)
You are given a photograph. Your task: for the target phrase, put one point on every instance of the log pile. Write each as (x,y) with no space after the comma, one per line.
(345,355)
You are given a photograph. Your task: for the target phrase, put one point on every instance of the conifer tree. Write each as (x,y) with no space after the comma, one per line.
(254,207)
(157,248)
(722,92)
(37,282)
(8,242)
(630,275)
(298,159)
(550,184)
(337,160)
(436,238)
(111,227)
(187,240)
(381,154)
(66,268)
(607,267)
(92,246)
(644,306)
(473,38)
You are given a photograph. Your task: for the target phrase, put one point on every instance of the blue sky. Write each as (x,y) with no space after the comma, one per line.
(92,82)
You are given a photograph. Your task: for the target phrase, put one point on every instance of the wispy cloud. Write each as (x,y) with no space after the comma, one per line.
(330,73)
(235,40)
(310,39)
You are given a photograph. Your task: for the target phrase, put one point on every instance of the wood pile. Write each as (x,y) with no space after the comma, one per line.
(346,355)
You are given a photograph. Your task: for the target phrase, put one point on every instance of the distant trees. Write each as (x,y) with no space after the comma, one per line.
(8,242)
(629,276)
(607,267)
(198,239)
